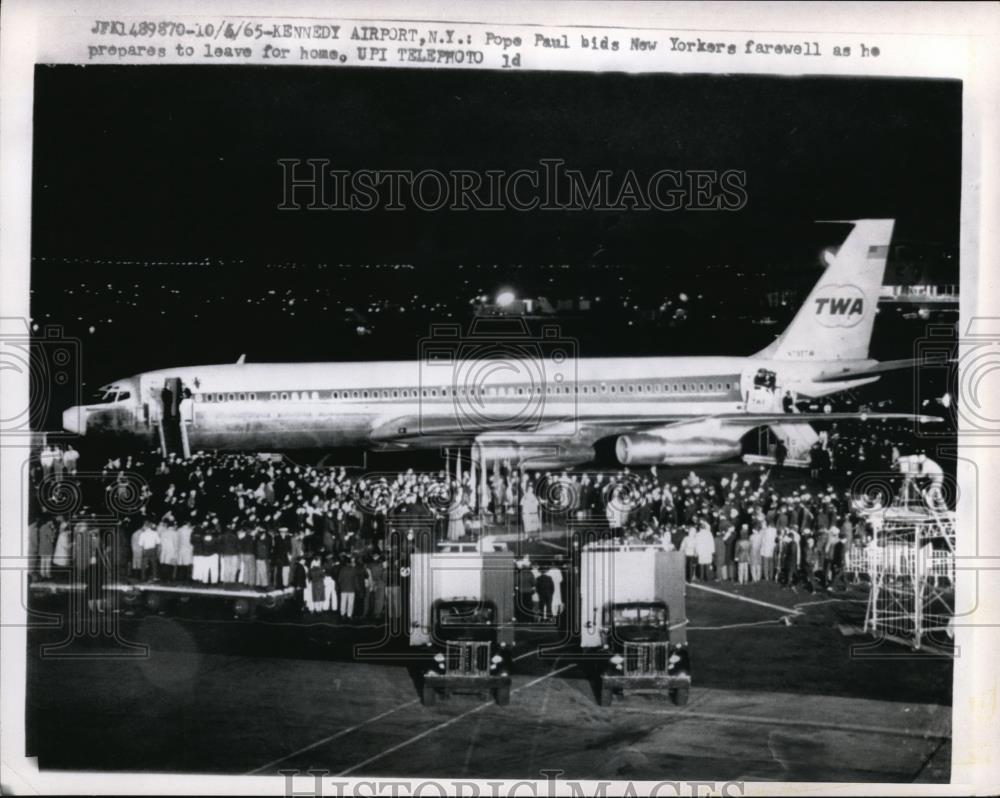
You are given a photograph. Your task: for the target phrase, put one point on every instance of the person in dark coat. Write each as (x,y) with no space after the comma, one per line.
(298,578)
(545,588)
(780,455)
(360,589)
(346,580)
(525,587)
(375,606)
(838,561)
(92,559)
(280,554)
(46,546)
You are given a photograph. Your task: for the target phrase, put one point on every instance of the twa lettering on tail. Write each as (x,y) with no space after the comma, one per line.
(839,305)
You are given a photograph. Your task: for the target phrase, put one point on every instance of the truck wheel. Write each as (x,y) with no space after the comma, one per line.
(680,696)
(429,697)
(243,608)
(503,696)
(605,697)
(156,602)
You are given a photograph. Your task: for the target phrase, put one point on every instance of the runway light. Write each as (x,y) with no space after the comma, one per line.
(505,298)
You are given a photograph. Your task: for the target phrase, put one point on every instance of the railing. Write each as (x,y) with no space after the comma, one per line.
(899,561)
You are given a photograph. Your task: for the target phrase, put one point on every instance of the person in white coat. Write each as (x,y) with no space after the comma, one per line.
(168,545)
(556,576)
(768,543)
(456,519)
(705,547)
(530,520)
(63,554)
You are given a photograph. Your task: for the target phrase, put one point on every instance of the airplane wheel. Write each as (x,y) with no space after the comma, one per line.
(680,696)
(429,696)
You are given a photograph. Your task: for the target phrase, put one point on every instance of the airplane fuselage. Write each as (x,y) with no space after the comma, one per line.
(302,405)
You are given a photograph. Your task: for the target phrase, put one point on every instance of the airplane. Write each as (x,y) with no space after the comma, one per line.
(532,403)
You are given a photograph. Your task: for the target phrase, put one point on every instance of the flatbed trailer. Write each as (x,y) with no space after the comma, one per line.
(157,596)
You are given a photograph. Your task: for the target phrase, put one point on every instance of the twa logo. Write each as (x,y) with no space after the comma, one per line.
(839,305)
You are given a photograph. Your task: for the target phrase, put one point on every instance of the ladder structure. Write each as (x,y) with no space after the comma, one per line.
(911,564)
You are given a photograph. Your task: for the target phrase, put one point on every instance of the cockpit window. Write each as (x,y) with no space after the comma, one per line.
(110,395)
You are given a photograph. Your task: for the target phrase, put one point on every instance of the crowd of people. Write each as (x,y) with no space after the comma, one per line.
(264,523)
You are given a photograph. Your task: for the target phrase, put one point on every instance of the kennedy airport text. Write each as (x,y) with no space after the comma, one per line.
(315,184)
(324,42)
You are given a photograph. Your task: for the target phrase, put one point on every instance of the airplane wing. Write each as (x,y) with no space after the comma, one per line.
(406,431)
(758,419)
(849,373)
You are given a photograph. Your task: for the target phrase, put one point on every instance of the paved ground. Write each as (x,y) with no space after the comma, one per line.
(778,694)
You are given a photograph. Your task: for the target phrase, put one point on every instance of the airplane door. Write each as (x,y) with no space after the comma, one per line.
(759,388)
(173,429)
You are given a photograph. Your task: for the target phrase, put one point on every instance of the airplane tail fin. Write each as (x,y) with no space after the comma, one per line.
(835,322)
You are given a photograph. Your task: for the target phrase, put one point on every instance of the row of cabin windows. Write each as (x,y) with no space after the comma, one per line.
(297,396)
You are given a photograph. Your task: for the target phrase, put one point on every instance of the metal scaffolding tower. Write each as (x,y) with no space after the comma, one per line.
(911,563)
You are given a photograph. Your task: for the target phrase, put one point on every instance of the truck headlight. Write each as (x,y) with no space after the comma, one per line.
(497,659)
(617,660)
(439,658)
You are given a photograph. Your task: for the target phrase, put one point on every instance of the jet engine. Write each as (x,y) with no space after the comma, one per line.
(682,444)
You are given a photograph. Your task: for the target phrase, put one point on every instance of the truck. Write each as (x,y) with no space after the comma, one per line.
(461,615)
(633,619)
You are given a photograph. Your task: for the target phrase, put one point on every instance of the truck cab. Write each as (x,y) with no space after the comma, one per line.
(641,656)
(470,656)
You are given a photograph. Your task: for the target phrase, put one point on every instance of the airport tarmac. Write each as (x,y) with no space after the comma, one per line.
(779,693)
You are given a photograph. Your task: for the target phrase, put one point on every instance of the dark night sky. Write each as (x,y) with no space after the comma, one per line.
(181,161)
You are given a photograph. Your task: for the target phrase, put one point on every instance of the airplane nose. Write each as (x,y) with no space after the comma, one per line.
(72,420)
